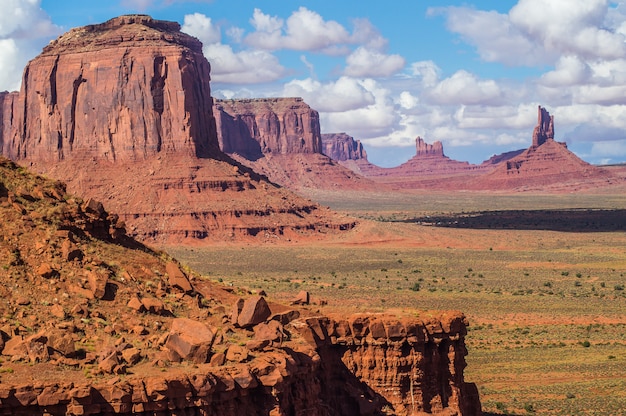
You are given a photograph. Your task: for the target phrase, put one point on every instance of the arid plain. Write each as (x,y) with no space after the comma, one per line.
(547,309)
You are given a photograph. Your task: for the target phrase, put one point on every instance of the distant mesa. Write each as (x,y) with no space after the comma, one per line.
(545,165)
(281,138)
(342,147)
(253,127)
(122,111)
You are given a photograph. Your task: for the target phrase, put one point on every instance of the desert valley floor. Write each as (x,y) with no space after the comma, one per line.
(547,309)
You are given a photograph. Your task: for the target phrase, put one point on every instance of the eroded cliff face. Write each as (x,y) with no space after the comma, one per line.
(7,104)
(280,138)
(342,147)
(123,90)
(122,112)
(277,125)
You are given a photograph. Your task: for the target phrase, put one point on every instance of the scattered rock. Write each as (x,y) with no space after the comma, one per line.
(192,340)
(254,311)
(177,278)
(46,271)
(302,298)
(237,353)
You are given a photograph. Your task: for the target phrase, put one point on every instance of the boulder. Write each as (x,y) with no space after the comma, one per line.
(191,340)
(177,278)
(271,331)
(254,311)
(302,298)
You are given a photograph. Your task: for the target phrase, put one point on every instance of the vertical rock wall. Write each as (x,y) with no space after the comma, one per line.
(342,147)
(251,127)
(122,90)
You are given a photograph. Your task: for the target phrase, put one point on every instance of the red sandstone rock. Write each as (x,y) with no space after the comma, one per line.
(124,109)
(252,127)
(192,340)
(545,127)
(177,278)
(302,298)
(254,311)
(342,147)
(86,95)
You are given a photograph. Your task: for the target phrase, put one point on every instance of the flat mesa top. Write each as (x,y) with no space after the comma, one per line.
(123,31)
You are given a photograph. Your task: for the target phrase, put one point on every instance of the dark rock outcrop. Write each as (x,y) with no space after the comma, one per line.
(122,112)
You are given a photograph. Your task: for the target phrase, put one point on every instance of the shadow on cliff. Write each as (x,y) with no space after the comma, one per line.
(568,220)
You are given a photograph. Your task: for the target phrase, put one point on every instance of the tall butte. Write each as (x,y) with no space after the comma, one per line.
(122,112)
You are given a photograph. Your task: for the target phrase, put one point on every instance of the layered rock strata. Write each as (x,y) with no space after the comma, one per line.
(545,165)
(122,111)
(280,138)
(342,147)
(277,125)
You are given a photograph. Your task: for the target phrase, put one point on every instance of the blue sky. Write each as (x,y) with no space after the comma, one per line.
(468,73)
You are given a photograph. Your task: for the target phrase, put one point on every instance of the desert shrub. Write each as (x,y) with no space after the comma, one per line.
(618,287)
(586,344)
(416,287)
(564,273)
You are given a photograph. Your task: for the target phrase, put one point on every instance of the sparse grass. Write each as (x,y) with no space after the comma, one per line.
(546,309)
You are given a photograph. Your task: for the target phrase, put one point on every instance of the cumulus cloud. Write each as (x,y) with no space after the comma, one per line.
(368,121)
(304,30)
(465,88)
(227,65)
(494,36)
(365,62)
(569,26)
(243,67)
(24,29)
(202,27)
(345,94)
(426,71)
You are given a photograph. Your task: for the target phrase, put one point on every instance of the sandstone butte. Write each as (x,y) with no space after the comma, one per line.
(122,112)
(547,165)
(92,322)
(280,138)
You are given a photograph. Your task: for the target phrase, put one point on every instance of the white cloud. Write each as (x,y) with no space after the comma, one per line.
(9,61)
(569,27)
(569,70)
(365,62)
(539,32)
(244,67)
(228,66)
(304,30)
(427,71)
(465,88)
(407,100)
(345,94)
(373,120)
(494,36)
(202,27)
